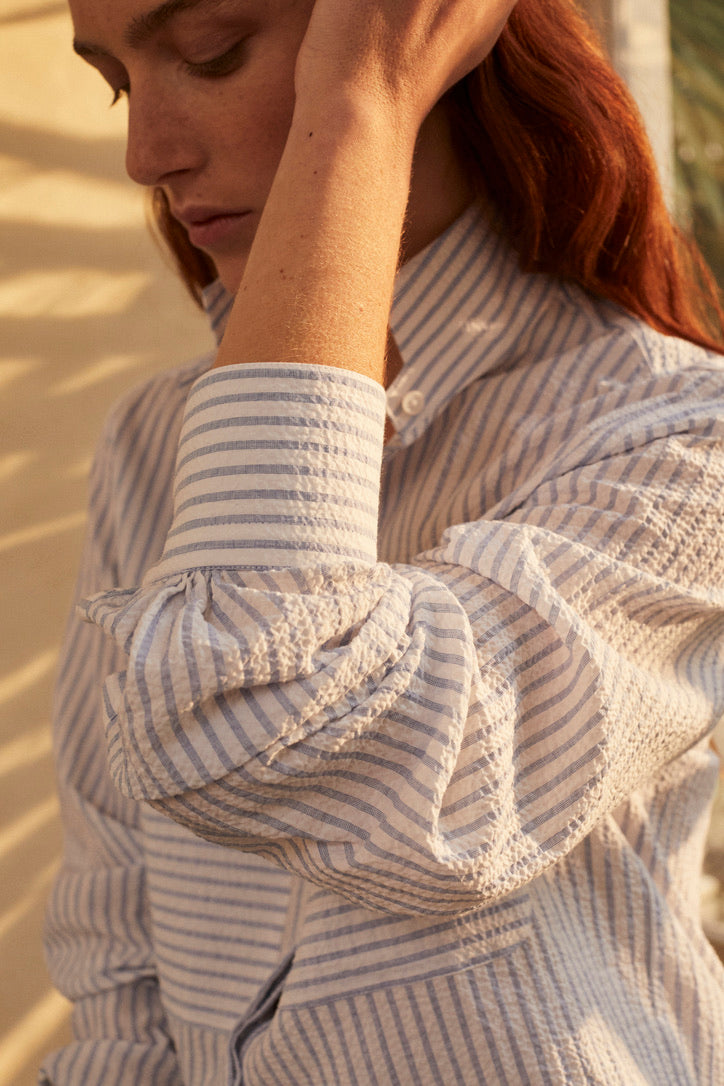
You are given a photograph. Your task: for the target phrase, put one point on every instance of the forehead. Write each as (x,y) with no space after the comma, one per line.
(137,20)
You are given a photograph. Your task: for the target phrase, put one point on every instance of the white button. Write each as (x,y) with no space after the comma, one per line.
(412,403)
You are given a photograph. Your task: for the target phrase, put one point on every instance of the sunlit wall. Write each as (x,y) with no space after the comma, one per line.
(86,309)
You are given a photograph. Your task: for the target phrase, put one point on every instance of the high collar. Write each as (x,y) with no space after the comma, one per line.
(217,302)
(455,304)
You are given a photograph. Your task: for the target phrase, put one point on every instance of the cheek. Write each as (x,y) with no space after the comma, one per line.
(251,131)
(256,106)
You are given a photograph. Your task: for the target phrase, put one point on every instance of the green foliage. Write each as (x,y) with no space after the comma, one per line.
(697,38)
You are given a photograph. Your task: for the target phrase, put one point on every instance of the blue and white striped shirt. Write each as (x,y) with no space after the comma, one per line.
(400,771)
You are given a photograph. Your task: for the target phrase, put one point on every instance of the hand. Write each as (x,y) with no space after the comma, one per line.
(403,53)
(319,278)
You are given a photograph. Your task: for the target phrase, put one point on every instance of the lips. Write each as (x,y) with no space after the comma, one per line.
(209,228)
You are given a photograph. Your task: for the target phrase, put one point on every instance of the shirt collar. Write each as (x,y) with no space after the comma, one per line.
(453,302)
(217,302)
(451,307)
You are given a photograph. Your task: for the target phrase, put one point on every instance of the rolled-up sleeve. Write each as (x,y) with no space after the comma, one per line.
(424,737)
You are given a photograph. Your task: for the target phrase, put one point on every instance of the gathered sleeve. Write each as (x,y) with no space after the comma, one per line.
(97,937)
(423,737)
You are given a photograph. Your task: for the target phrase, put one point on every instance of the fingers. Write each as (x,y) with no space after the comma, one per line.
(409,52)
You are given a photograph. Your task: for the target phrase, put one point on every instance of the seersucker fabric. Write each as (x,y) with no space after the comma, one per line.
(390,764)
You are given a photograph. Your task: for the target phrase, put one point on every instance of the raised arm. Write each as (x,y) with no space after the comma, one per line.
(419,737)
(318,284)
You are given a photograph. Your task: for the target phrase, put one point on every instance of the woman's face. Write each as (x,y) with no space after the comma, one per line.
(210,86)
(210,98)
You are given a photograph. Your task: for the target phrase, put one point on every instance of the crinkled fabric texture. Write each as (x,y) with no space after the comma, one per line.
(457,782)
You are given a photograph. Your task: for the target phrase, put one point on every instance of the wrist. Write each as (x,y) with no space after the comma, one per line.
(360,111)
(319,278)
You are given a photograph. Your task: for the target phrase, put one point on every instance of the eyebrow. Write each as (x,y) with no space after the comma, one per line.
(144,26)
(140,29)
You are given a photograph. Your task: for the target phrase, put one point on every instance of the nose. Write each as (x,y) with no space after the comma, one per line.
(162,138)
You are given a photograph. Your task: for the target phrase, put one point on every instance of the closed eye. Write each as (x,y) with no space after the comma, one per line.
(217,67)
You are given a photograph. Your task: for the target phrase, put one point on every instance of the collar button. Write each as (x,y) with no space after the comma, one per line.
(413,402)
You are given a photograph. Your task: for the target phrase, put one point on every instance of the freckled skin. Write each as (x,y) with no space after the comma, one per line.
(216,140)
(206,141)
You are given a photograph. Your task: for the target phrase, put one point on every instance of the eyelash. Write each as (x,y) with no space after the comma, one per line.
(215,68)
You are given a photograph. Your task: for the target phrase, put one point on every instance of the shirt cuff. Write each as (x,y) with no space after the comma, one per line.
(278,466)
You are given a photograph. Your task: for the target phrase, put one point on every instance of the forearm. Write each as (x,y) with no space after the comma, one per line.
(319,279)
(318,282)
(352,708)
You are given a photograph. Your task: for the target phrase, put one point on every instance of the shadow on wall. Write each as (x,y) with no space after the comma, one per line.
(86,310)
(85,313)
(31,14)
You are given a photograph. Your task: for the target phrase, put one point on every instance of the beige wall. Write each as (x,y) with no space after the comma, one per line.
(86,309)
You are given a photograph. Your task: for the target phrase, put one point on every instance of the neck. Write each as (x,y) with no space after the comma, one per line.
(439,192)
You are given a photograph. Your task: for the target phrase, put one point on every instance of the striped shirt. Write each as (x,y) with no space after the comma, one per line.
(394,766)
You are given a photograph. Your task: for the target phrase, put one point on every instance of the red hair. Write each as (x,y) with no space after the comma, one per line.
(194,266)
(551,137)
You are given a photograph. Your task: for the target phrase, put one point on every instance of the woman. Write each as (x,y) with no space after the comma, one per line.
(418,799)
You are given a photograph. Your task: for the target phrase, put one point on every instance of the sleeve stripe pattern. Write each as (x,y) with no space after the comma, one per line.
(479,740)
(314,459)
